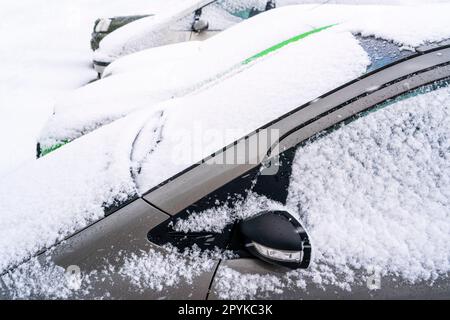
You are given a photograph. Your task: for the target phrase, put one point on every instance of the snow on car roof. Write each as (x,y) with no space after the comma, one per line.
(170,53)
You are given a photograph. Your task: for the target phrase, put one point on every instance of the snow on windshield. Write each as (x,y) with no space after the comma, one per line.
(60,194)
(373,194)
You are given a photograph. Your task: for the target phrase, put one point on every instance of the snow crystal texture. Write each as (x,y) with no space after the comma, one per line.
(377,191)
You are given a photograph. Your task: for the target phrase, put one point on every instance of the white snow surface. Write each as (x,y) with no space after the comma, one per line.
(231,284)
(60,194)
(157,270)
(217,218)
(172,54)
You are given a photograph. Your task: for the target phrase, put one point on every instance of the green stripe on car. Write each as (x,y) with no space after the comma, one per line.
(285,43)
(53,148)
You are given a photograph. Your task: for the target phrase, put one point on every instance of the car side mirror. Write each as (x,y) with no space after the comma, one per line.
(200,25)
(277,238)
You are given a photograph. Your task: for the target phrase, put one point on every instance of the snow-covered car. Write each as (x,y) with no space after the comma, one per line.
(155,75)
(187,21)
(342,138)
(104,26)
(364,168)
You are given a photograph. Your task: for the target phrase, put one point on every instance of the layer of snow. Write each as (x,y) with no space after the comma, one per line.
(157,270)
(217,218)
(36,280)
(231,284)
(155,31)
(58,195)
(176,54)
(64,191)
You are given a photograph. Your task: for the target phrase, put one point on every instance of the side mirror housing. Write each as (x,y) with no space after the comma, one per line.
(277,238)
(200,25)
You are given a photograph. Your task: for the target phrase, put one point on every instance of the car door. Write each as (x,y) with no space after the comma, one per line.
(310,147)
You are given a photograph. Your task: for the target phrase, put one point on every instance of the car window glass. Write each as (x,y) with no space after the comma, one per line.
(382,52)
(219,16)
(376,191)
(242,9)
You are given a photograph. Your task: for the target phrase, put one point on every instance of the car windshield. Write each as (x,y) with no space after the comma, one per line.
(242,9)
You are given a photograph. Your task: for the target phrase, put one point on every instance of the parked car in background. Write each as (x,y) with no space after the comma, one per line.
(104,26)
(190,20)
(151,76)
